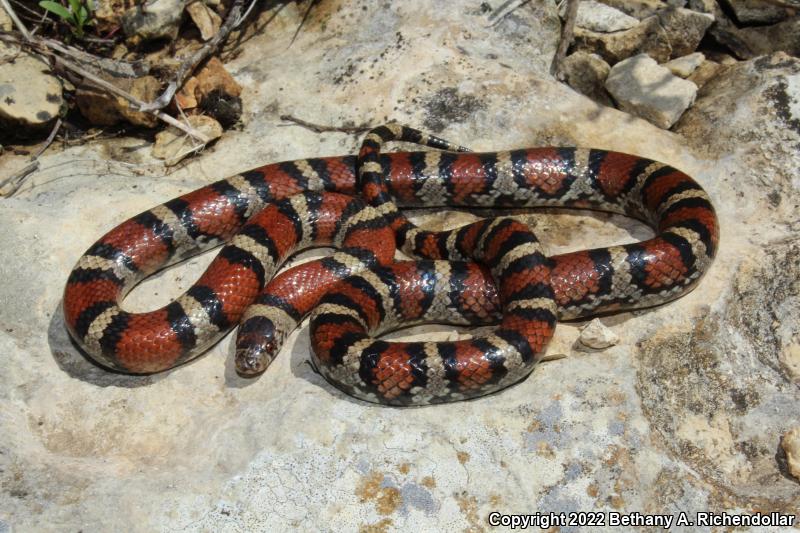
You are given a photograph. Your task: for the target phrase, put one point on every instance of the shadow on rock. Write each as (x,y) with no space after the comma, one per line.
(72,360)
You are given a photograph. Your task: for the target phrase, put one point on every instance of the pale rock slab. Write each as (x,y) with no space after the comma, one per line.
(705,72)
(648,37)
(173,144)
(686,65)
(30,96)
(642,87)
(595,16)
(630,428)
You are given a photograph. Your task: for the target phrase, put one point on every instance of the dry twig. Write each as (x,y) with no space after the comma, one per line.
(567,32)
(319,128)
(16,179)
(188,66)
(504,10)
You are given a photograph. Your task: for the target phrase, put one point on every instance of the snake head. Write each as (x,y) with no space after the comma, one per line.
(253,359)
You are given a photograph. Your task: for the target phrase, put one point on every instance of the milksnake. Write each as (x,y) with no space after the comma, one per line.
(494,269)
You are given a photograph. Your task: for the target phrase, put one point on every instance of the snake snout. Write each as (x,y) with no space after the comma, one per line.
(252,361)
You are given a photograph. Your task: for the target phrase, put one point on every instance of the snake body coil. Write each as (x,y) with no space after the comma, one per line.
(263,219)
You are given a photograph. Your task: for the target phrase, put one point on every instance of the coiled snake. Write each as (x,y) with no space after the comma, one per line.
(488,271)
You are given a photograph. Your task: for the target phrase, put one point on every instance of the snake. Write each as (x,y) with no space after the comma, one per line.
(490,271)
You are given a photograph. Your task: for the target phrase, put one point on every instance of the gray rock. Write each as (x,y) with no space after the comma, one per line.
(587,73)
(753,12)
(597,336)
(781,37)
(599,17)
(644,88)
(640,9)
(648,37)
(685,28)
(30,96)
(156,19)
(684,66)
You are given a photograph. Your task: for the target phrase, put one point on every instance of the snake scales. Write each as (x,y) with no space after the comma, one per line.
(490,271)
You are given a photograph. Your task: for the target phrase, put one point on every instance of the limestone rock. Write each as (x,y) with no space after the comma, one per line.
(206,19)
(762,40)
(155,19)
(602,18)
(30,96)
(684,66)
(214,77)
(641,9)
(642,87)
(587,73)
(685,28)
(648,37)
(702,74)
(107,14)
(6,24)
(103,109)
(597,336)
(757,12)
(172,144)
(791,447)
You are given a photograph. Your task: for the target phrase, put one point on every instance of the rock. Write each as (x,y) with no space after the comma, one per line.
(145,89)
(107,14)
(30,96)
(756,12)
(217,93)
(6,24)
(790,360)
(763,40)
(597,336)
(172,144)
(791,447)
(155,19)
(685,29)
(648,37)
(750,109)
(587,73)
(598,17)
(684,66)
(685,414)
(186,97)
(706,71)
(640,9)
(642,87)
(214,77)
(206,20)
(103,109)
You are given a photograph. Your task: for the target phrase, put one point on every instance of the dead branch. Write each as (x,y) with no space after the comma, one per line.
(15,19)
(567,32)
(16,179)
(188,66)
(505,9)
(42,46)
(319,128)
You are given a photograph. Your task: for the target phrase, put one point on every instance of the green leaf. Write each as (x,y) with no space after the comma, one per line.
(75,6)
(82,15)
(55,7)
